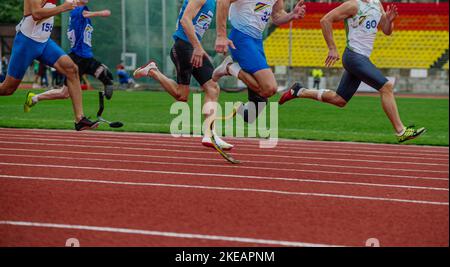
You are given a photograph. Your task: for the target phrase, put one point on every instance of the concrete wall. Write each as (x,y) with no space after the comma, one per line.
(437,81)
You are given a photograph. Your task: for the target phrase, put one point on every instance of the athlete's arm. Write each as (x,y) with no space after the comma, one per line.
(388,18)
(280,16)
(91,14)
(40,13)
(342,12)
(222,42)
(190,13)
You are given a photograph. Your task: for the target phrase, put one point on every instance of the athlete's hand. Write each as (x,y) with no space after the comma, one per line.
(70,4)
(197,57)
(333,57)
(391,13)
(299,11)
(222,44)
(105,13)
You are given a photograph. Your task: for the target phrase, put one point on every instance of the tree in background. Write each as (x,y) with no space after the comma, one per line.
(11,11)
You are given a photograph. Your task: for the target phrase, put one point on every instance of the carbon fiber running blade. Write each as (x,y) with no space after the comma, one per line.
(225,155)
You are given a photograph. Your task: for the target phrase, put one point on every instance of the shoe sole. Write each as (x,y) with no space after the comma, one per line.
(415,136)
(142,67)
(214,76)
(93,127)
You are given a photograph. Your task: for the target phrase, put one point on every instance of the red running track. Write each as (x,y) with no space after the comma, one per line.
(120,189)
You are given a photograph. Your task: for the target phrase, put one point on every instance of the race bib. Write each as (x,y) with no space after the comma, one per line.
(72,38)
(88,35)
(203,22)
(264,11)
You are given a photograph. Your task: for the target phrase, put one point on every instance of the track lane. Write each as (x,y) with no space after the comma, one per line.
(312,209)
(273,152)
(223,213)
(244,141)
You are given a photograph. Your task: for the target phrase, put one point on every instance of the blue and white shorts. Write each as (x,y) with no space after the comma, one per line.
(249,52)
(25,50)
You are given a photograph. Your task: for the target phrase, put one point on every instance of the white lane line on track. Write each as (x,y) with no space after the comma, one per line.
(262,163)
(220,188)
(310,180)
(176,143)
(265,151)
(289,142)
(211,152)
(164,234)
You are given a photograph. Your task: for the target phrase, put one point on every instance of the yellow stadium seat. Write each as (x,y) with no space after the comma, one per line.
(404,49)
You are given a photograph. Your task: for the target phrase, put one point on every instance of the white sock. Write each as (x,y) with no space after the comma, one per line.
(320,94)
(299,93)
(402,132)
(35,99)
(234,69)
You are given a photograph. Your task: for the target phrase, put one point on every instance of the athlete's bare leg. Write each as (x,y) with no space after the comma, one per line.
(178,91)
(387,100)
(9,86)
(67,67)
(250,81)
(326,96)
(390,106)
(54,94)
(267,83)
(212,92)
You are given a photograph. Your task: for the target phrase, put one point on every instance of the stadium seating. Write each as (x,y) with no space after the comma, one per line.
(420,38)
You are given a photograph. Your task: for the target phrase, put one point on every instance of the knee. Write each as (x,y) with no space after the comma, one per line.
(182,98)
(339,102)
(7,90)
(65,93)
(388,88)
(71,71)
(269,90)
(212,91)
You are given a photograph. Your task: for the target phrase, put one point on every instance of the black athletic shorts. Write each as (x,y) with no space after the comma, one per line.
(181,56)
(358,68)
(85,65)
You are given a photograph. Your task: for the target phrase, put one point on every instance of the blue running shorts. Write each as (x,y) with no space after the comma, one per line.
(249,52)
(25,50)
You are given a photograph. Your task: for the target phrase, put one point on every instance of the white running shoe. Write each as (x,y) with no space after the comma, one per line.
(144,70)
(224,145)
(222,69)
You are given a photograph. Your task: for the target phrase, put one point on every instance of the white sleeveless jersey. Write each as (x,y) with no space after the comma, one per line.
(38,31)
(362,28)
(250,16)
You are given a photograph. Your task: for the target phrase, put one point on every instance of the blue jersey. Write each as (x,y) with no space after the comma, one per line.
(80,33)
(201,22)
(124,78)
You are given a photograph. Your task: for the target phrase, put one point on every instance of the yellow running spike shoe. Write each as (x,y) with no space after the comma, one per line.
(29,102)
(411,133)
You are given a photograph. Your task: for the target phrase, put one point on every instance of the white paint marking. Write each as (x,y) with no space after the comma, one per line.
(176,143)
(310,180)
(279,192)
(289,142)
(188,148)
(164,234)
(262,163)
(211,152)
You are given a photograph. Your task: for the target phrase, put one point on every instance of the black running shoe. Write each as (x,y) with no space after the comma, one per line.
(291,93)
(86,124)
